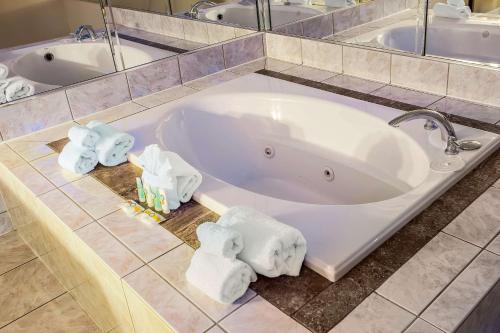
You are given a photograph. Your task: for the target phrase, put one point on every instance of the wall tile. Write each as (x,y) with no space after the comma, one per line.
(211,58)
(195,31)
(293,29)
(309,73)
(393,6)
(420,74)
(318,27)
(98,95)
(243,32)
(322,55)
(34,114)
(154,77)
(474,83)
(284,48)
(219,33)
(367,64)
(114,113)
(243,50)
(346,18)
(172,26)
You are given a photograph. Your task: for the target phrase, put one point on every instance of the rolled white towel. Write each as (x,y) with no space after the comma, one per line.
(271,247)
(83,136)
(187,177)
(77,159)
(18,89)
(4,71)
(219,241)
(222,279)
(3,85)
(113,146)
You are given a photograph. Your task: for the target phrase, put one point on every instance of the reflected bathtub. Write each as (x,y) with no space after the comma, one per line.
(326,164)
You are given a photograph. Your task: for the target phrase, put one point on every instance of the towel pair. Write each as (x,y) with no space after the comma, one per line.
(96,142)
(168,171)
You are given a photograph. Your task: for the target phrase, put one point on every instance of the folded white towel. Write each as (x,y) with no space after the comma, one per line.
(113,146)
(83,136)
(18,89)
(219,241)
(77,159)
(449,11)
(3,85)
(222,279)
(4,71)
(270,247)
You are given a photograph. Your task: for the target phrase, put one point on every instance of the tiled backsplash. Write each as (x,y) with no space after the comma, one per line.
(47,110)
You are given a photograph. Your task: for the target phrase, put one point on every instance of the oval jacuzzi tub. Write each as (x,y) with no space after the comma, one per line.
(324,163)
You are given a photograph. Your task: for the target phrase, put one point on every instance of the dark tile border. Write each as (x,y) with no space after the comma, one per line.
(150,43)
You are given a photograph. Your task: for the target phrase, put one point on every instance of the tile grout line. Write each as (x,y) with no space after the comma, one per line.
(14,268)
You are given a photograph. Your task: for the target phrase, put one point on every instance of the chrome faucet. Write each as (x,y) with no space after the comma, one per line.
(85,32)
(434,120)
(195,8)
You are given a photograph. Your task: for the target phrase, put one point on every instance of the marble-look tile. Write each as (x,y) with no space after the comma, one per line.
(239,32)
(419,74)
(344,19)
(464,293)
(9,158)
(98,95)
(114,113)
(292,29)
(49,167)
(421,326)
(168,303)
(172,26)
(24,289)
(215,329)
(479,222)
(354,83)
(488,114)
(258,315)
(34,114)
(322,55)
(212,80)
(367,64)
(164,96)
(406,95)
(62,314)
(65,209)
(147,241)
(375,314)
(5,224)
(474,83)
(195,31)
(278,65)
(219,33)
(154,77)
(243,50)
(110,250)
(13,251)
(309,73)
(95,198)
(211,58)
(173,265)
(250,67)
(32,179)
(318,27)
(494,246)
(186,44)
(284,48)
(393,6)
(428,272)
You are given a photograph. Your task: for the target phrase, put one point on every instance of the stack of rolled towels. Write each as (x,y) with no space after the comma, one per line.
(454,9)
(95,143)
(242,242)
(13,88)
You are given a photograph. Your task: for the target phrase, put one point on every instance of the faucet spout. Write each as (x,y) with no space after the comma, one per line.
(85,32)
(195,8)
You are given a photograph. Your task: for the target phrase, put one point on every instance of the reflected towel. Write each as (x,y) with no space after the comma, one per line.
(77,159)
(222,279)
(270,247)
(83,136)
(113,146)
(18,89)
(449,11)
(4,71)
(3,85)
(219,241)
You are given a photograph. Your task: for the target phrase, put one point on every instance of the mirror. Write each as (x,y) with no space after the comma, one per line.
(48,44)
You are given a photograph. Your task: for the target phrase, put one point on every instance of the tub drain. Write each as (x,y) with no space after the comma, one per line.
(328,174)
(269,152)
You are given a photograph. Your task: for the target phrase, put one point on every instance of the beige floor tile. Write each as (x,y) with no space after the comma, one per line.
(24,289)
(60,315)
(49,167)
(173,265)
(215,329)
(2,204)
(32,179)
(494,246)
(259,315)
(95,198)
(13,252)
(164,96)
(147,241)
(421,326)
(114,113)
(310,73)
(5,224)
(9,158)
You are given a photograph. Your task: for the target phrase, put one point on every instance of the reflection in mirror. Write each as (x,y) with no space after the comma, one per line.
(50,44)
(464,30)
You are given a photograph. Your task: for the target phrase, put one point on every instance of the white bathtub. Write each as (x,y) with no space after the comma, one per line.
(381,179)
(476,40)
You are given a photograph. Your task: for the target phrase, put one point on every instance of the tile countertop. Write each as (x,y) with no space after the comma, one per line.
(442,253)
